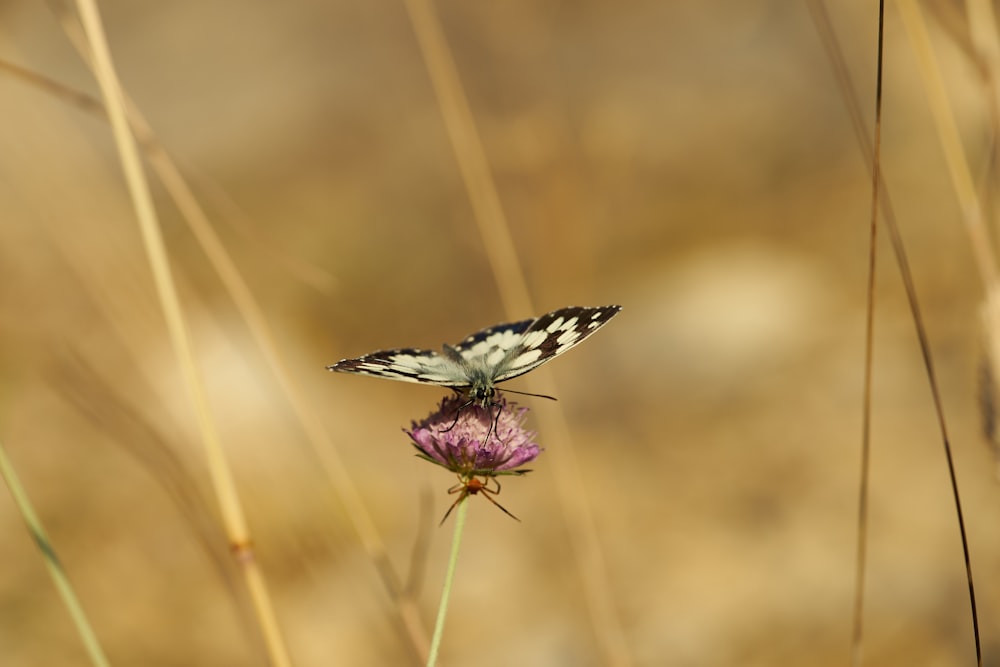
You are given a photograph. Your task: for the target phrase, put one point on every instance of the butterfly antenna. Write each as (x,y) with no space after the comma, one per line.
(528,393)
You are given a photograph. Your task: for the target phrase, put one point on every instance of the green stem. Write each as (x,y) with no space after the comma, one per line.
(448,578)
(90,642)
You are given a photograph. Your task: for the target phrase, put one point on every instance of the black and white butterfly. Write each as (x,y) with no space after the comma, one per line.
(487,357)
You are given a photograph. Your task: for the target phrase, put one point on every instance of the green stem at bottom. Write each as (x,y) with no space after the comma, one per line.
(448,578)
(90,642)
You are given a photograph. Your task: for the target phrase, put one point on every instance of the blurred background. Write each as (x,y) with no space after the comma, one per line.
(692,162)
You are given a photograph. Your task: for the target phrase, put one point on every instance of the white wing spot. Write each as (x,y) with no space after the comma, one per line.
(403,359)
(534,339)
(556,325)
(503,340)
(568,337)
(529,357)
(496,356)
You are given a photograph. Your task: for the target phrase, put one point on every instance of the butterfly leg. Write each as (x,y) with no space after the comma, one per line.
(494,421)
(458,412)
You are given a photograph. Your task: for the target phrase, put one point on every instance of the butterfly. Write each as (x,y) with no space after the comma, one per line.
(486,357)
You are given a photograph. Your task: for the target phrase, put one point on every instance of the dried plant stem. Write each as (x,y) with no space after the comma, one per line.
(514,293)
(951,143)
(835,54)
(449,578)
(471,158)
(219,470)
(962,177)
(56,571)
(982,23)
(861,553)
(981,247)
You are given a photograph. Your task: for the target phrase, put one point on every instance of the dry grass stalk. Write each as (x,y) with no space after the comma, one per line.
(221,474)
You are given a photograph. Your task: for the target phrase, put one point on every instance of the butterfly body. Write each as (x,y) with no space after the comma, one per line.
(486,357)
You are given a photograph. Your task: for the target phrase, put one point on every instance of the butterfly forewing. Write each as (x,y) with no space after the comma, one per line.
(551,335)
(488,356)
(487,342)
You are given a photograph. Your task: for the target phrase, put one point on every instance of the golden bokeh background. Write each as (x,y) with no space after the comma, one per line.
(691,161)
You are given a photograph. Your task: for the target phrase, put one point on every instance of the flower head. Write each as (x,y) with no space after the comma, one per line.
(471,440)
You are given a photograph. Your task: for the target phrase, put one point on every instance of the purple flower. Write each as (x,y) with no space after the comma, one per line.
(454,436)
(474,441)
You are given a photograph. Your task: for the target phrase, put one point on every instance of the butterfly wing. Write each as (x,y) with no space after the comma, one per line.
(549,336)
(490,346)
(407,365)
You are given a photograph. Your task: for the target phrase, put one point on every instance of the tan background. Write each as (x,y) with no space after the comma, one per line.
(691,161)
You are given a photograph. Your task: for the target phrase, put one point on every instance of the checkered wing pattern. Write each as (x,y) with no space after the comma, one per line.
(510,350)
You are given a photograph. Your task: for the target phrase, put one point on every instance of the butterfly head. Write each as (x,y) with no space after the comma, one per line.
(481,389)
(482,395)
